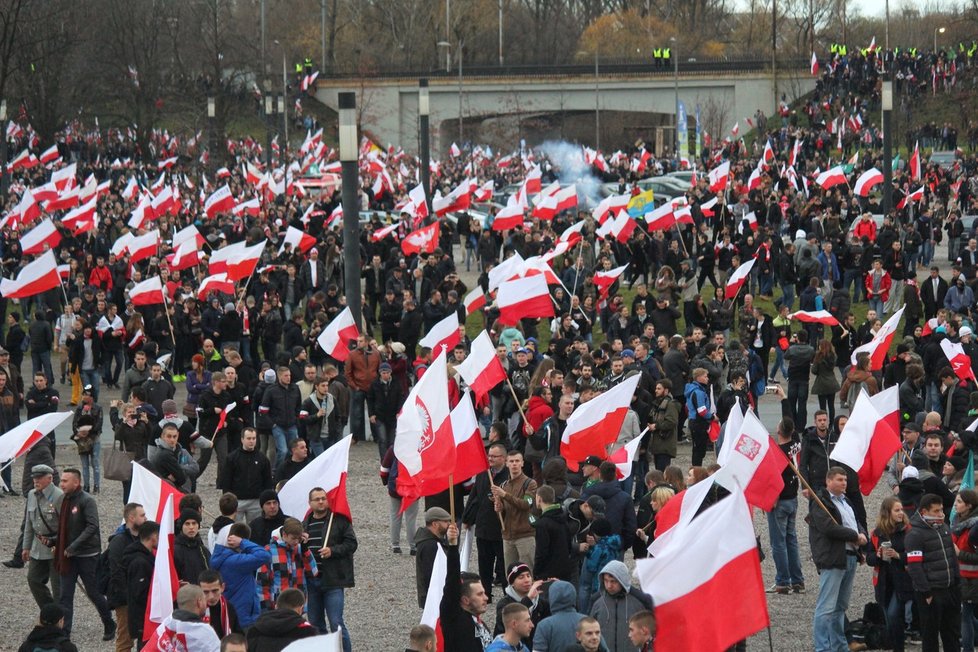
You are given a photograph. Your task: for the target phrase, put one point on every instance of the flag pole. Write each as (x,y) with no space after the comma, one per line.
(809,488)
(492,483)
(451,495)
(518,406)
(167,313)
(329,528)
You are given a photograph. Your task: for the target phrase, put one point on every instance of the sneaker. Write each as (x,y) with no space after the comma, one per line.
(14,563)
(780,590)
(396,550)
(798,588)
(109,633)
(413,552)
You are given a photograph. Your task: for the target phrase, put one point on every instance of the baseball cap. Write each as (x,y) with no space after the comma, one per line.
(593,460)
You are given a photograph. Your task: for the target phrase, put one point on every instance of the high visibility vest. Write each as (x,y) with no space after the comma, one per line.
(657,53)
(833,48)
(843,50)
(666,53)
(298,68)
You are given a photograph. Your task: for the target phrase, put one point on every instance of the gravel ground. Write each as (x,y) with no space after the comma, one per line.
(385,582)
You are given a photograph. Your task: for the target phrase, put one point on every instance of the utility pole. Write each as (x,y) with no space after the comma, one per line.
(774,52)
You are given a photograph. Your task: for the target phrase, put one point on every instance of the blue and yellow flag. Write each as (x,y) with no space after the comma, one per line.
(641,203)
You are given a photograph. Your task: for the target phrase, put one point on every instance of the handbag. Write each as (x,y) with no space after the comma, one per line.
(118,464)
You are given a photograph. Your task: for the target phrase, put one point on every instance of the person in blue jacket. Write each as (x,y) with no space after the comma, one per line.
(700,410)
(237,562)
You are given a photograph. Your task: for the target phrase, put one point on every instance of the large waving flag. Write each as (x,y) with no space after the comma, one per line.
(36,277)
(20,439)
(335,338)
(738,278)
(831,177)
(710,566)
(163,589)
(328,471)
(148,292)
(595,425)
(959,360)
(522,298)
(482,370)
(878,347)
(443,334)
(625,456)
(424,240)
(718,177)
(43,236)
(867,443)
(815,317)
(867,181)
(151,491)
(431,616)
(751,459)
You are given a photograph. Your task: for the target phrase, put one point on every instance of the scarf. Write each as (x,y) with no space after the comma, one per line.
(222,606)
(61,562)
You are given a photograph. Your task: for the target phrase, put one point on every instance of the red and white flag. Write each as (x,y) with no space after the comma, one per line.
(831,177)
(522,298)
(164,585)
(866,182)
(815,317)
(151,491)
(327,470)
(887,403)
(454,151)
(43,236)
(718,177)
(624,456)
(814,65)
(444,334)
(82,219)
(915,162)
(36,277)
(20,439)
(250,207)
(424,443)
(509,217)
(622,227)
(188,233)
(960,361)
(431,615)
(335,338)
(143,246)
(25,212)
(221,201)
(603,280)
(610,206)
(380,234)
(595,425)
(148,292)
(878,347)
(867,443)
(424,240)
(915,196)
(142,213)
(459,199)
(929,326)
(711,565)
(243,265)
(64,201)
(738,278)
(187,255)
(735,130)
(215,283)
(751,459)
(509,268)
(482,370)
(474,300)
(50,155)
(222,418)
(484,192)
(300,240)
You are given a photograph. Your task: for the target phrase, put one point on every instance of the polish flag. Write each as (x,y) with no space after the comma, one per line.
(20,439)
(879,346)
(474,300)
(831,177)
(454,151)
(444,334)
(753,462)
(222,419)
(532,183)
(81,219)
(167,163)
(595,425)
(738,278)
(751,220)
(482,370)
(625,456)
(64,271)
(735,130)
(187,234)
(22,160)
(914,196)
(795,152)
(524,298)
(43,236)
(25,212)
(929,326)
(64,201)
(915,162)
(328,471)
(708,561)
(300,240)
(424,443)
(186,256)
(755,179)
(537,265)
(604,280)
(380,234)
(505,271)
(122,243)
(484,192)
(508,217)
(131,191)
(960,362)
(335,338)
(767,156)
(867,443)
(424,240)
(866,182)
(219,258)
(459,199)
(152,492)
(815,317)
(36,277)
(164,585)
(431,615)
(887,403)
(148,292)
(143,246)
(50,155)
(661,219)
(622,227)
(566,198)
(221,201)
(243,266)
(46,193)
(65,177)
(215,283)
(707,207)
(718,177)
(814,65)
(143,212)
(251,207)
(609,206)
(572,234)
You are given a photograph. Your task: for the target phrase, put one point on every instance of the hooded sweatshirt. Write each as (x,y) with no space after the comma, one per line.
(274,630)
(556,632)
(613,611)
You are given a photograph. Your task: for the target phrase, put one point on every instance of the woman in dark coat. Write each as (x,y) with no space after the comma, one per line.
(887,553)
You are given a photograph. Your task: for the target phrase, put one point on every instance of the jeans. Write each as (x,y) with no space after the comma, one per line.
(92,466)
(383,433)
(853,277)
(110,377)
(926,252)
(834,589)
(661,461)
(767,284)
(282,437)
(490,559)
(409,518)
(787,295)
(798,400)
(779,364)
(82,568)
(784,542)
(967,626)
(895,612)
(933,401)
(827,402)
(91,377)
(41,361)
(876,304)
(327,602)
(357,401)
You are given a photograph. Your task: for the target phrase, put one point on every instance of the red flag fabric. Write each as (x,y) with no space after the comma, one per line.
(335,338)
(867,443)
(524,298)
(866,182)
(831,177)
(329,471)
(148,292)
(753,461)
(43,236)
(482,370)
(915,162)
(300,240)
(816,317)
(595,425)
(164,584)
(718,177)
(814,65)
(36,277)
(444,334)
(20,439)
(880,344)
(424,240)
(960,361)
(474,300)
(737,278)
(215,283)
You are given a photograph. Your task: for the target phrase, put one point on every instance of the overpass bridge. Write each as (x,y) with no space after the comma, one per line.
(610,104)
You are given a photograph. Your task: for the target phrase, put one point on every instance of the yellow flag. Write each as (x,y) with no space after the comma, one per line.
(641,203)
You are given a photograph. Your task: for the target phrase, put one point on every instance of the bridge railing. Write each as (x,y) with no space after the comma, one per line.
(606,68)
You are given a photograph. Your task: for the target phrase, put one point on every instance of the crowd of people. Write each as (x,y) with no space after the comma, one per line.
(551,534)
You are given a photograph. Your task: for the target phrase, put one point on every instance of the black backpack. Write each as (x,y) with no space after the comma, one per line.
(870,629)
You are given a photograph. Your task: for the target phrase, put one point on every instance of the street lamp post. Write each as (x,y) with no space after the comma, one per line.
(887,101)
(285,120)
(460,139)
(349,151)
(938,30)
(3,152)
(597,101)
(269,117)
(211,131)
(424,139)
(675,84)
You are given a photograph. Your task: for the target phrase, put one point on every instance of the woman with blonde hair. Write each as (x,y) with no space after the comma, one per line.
(858,375)
(887,553)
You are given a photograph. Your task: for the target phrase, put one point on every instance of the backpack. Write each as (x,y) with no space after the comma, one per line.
(25,344)
(102,573)
(870,629)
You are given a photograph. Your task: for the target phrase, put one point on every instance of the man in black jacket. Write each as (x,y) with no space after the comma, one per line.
(462,605)
(274,630)
(480,513)
(271,518)
(40,399)
(246,474)
(139,560)
(427,541)
(835,539)
(134,516)
(932,563)
(280,403)
(42,341)
(618,504)
(553,558)
(384,401)
(78,548)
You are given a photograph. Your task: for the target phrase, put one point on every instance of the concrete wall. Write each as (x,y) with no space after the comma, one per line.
(388,108)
